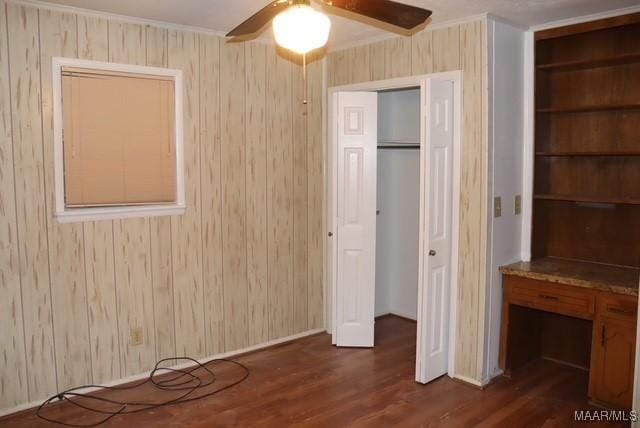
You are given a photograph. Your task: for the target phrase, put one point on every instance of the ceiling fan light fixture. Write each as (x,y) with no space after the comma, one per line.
(301,29)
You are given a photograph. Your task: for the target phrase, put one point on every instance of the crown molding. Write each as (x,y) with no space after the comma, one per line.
(126,18)
(586,18)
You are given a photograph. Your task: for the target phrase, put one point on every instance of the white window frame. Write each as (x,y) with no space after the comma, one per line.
(65,214)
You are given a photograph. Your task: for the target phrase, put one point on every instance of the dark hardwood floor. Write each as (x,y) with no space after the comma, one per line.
(311,383)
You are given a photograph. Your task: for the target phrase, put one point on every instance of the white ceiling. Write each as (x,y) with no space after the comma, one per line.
(223,15)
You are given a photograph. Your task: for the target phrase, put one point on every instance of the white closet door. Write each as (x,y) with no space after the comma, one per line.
(435,230)
(356,218)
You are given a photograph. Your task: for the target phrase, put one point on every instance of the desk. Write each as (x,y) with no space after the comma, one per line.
(583,314)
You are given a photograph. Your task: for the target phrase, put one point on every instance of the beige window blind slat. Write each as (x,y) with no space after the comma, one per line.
(118,140)
(101,74)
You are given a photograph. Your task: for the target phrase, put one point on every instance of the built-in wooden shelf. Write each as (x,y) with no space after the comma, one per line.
(587,199)
(587,154)
(587,144)
(591,63)
(587,109)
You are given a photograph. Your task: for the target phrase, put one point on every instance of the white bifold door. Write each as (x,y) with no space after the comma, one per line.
(435,231)
(355,181)
(356,218)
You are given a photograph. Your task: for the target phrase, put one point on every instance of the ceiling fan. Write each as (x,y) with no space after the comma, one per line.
(301,29)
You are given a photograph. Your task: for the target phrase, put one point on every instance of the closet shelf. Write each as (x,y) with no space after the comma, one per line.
(587,199)
(587,109)
(588,154)
(591,63)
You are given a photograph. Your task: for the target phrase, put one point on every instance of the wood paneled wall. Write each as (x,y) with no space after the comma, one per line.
(459,47)
(243,266)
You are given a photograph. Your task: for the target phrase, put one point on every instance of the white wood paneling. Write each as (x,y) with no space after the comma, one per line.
(315,190)
(198,284)
(279,194)
(422,53)
(234,245)
(300,238)
(13,390)
(58,37)
(256,176)
(211,193)
(186,236)
(24,59)
(397,57)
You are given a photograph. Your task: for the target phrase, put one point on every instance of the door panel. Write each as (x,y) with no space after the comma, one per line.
(613,362)
(356,219)
(435,230)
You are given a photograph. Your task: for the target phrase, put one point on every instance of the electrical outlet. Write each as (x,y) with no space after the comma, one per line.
(136,336)
(517,209)
(497,207)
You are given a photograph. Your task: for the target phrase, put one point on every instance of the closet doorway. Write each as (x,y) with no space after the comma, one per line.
(393,196)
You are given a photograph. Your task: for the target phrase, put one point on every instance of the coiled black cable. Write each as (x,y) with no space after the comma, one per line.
(184,381)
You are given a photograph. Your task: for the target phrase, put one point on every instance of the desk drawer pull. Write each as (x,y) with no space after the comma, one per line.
(622,311)
(547,297)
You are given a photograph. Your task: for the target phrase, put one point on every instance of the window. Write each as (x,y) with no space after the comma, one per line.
(118,140)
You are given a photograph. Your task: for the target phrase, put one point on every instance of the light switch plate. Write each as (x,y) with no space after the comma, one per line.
(517,209)
(497,207)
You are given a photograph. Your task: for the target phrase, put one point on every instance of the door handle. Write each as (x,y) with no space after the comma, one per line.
(432,253)
(330,234)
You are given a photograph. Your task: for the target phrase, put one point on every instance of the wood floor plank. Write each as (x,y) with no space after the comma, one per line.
(311,383)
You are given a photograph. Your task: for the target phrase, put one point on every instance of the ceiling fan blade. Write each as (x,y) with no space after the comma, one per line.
(398,14)
(260,19)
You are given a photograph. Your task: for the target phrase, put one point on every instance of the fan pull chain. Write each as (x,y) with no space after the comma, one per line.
(304,78)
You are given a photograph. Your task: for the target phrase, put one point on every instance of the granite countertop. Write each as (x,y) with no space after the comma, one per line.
(615,279)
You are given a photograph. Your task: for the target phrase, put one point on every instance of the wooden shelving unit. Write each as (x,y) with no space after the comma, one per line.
(586,199)
(586,207)
(589,109)
(586,154)
(586,202)
(610,61)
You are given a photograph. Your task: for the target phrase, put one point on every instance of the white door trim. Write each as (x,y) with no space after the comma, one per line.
(331,201)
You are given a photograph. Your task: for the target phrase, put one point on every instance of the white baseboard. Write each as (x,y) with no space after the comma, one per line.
(470,381)
(33,404)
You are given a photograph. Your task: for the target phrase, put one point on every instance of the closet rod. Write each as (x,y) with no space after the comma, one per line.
(400,147)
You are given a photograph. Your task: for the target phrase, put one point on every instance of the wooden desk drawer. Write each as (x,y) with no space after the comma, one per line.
(624,308)
(551,297)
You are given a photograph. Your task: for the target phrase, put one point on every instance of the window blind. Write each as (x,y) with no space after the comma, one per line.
(119,138)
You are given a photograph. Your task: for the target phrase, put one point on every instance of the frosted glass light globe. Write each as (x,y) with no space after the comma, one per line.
(301,29)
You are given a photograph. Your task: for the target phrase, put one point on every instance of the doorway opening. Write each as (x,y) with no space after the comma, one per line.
(398,203)
(393,208)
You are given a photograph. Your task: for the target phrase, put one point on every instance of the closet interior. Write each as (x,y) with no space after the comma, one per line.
(398,200)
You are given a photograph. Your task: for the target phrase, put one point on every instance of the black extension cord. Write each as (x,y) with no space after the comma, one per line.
(184,380)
